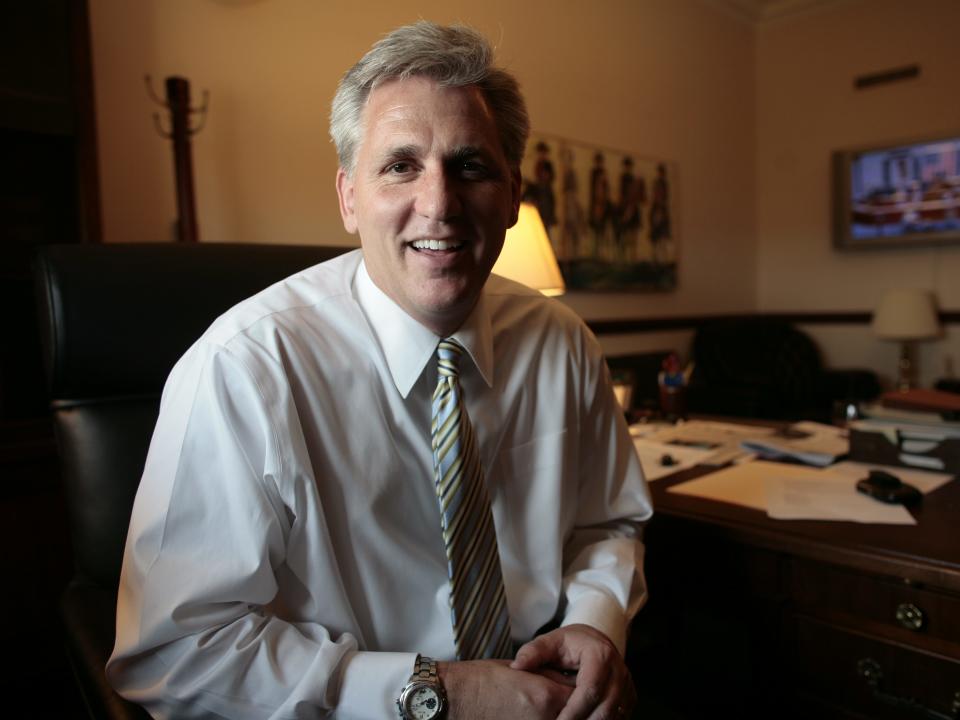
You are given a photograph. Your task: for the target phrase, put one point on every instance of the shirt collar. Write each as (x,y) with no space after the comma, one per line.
(408,346)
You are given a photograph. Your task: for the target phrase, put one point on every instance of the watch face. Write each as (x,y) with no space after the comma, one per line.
(423,703)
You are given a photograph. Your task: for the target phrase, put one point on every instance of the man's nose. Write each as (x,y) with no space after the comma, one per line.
(437,196)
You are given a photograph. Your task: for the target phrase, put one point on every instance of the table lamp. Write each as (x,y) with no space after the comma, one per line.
(527,255)
(907,316)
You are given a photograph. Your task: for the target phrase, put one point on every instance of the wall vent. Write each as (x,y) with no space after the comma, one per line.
(886,76)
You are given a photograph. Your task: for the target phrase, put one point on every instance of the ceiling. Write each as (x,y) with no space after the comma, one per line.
(762,10)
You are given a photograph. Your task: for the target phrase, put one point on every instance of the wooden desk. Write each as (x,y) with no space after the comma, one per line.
(751,617)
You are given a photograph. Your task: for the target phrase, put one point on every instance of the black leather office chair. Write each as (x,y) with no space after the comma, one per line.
(114,320)
(764,367)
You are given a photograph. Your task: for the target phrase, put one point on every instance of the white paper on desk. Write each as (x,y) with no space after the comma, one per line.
(651,454)
(646,429)
(824,495)
(819,445)
(708,432)
(793,492)
(923,480)
(738,484)
(721,438)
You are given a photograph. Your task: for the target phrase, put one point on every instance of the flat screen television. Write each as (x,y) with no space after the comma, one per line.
(905,194)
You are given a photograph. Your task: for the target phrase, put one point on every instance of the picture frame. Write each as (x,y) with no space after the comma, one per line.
(902,194)
(610,214)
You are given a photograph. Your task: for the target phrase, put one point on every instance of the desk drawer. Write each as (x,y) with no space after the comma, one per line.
(699,561)
(867,675)
(906,610)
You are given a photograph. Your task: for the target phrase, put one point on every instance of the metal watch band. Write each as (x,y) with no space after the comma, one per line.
(425,668)
(424,676)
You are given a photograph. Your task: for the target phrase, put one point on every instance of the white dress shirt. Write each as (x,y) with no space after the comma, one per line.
(284,557)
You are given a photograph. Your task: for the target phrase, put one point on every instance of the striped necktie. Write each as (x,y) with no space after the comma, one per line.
(481,625)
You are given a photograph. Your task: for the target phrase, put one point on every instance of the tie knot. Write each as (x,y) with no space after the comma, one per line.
(448,356)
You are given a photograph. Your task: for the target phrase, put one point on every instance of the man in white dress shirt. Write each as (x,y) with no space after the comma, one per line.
(285,557)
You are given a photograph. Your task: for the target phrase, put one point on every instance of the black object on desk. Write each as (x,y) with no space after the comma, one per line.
(870,443)
(888,488)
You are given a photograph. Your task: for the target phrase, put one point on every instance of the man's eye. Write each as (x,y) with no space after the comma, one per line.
(398,168)
(474,169)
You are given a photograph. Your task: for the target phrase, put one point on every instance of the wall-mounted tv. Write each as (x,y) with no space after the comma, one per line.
(902,195)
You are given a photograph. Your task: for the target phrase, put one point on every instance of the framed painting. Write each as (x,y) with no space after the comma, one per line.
(609,214)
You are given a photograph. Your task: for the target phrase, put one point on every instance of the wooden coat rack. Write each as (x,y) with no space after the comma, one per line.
(177,105)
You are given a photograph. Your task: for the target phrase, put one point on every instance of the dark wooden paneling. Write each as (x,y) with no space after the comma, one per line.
(48,181)
(752,617)
(49,193)
(692,322)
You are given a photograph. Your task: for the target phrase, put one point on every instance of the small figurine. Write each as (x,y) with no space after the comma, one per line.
(673,382)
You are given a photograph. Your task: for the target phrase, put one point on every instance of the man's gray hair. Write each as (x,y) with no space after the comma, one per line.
(452,56)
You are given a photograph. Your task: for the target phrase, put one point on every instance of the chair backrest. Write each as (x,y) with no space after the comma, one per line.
(114,320)
(754,367)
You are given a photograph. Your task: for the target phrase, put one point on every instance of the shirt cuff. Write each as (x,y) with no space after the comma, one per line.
(371,683)
(602,613)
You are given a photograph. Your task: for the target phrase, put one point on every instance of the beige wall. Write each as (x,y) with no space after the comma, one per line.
(807,108)
(750,114)
(664,78)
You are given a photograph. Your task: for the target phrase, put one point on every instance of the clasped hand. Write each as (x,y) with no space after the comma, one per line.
(572,673)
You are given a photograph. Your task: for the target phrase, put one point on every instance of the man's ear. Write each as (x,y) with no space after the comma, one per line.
(345,196)
(516,190)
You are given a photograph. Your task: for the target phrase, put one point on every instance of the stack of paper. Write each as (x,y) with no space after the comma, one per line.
(697,442)
(880,413)
(809,442)
(661,459)
(795,492)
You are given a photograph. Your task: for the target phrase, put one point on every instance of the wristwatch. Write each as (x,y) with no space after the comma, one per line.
(423,697)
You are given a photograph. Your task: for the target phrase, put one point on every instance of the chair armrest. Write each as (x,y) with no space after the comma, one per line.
(89,617)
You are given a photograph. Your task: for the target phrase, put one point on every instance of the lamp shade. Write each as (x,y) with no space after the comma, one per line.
(906,315)
(527,255)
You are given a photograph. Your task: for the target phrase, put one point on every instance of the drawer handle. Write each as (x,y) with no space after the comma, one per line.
(870,670)
(910,616)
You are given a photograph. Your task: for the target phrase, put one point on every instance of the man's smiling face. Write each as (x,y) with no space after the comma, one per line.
(431,195)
